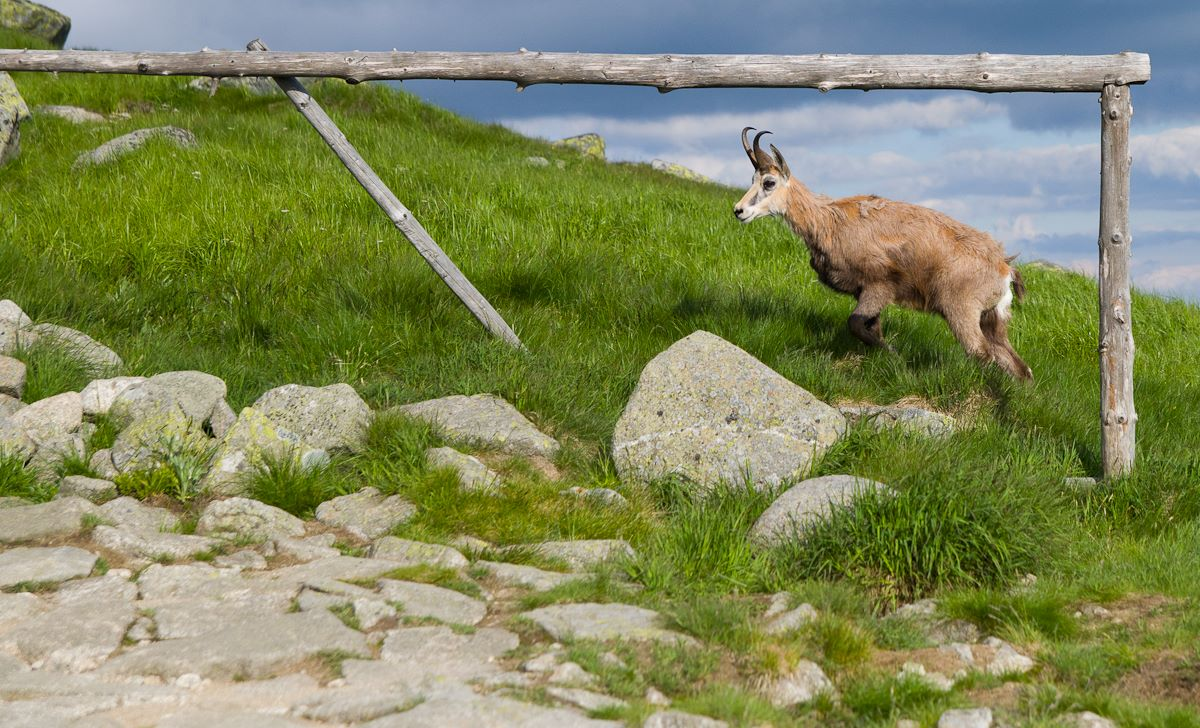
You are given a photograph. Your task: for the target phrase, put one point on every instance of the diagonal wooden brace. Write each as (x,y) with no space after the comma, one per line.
(396,211)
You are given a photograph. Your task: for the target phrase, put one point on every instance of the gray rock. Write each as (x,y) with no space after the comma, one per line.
(190,395)
(249,518)
(223,417)
(808,502)
(229,718)
(78,345)
(149,545)
(486,711)
(134,140)
(589,145)
(338,567)
(37,20)
(527,576)
(16,608)
(253,647)
(707,411)
(132,515)
(427,600)
(371,612)
(44,564)
(58,518)
(332,418)
(423,654)
(537,161)
(1006,660)
(1079,482)
(47,419)
(13,111)
(356,707)
(678,170)
(487,420)
(94,489)
(677,719)
(11,313)
(326,593)
(9,405)
(1087,719)
(571,673)
(654,696)
(248,446)
(12,377)
(791,620)
(912,420)
(603,622)
(53,452)
(75,637)
(98,396)
(473,475)
(806,681)
(243,559)
(73,114)
(415,553)
(585,699)
(963,718)
(607,496)
(366,514)
(585,554)
(253,85)
(935,680)
(307,549)
(101,464)
(114,586)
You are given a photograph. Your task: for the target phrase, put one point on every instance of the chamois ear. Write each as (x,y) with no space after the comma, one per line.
(779,162)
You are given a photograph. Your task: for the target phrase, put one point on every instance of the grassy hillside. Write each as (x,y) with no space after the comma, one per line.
(257,258)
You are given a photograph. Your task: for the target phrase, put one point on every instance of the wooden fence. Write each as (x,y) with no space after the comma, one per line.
(1109,75)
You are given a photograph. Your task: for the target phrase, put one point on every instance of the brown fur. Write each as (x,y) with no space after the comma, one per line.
(881,252)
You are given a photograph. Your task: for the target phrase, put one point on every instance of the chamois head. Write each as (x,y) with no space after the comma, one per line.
(766,195)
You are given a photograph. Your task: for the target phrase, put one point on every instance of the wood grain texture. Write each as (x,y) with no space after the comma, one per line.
(395,210)
(976,72)
(1118,419)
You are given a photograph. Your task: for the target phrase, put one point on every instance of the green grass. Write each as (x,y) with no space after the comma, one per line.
(17,481)
(255,257)
(284,483)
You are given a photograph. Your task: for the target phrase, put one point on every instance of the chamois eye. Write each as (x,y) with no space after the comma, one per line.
(768,184)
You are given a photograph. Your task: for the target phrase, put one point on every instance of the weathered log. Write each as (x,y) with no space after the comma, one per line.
(396,211)
(1118,419)
(978,72)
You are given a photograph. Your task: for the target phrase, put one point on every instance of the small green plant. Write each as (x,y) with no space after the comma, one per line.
(601,587)
(101,567)
(187,461)
(842,642)
(282,481)
(721,620)
(105,434)
(1015,615)
(89,521)
(17,481)
(345,612)
(74,463)
(142,484)
(439,576)
(876,697)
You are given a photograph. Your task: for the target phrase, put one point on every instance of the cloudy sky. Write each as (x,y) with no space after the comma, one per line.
(1024,167)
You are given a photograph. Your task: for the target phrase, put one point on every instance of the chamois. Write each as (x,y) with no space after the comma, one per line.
(881,252)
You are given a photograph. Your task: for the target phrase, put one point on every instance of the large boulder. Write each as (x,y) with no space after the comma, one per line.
(173,406)
(41,423)
(247,447)
(134,140)
(707,411)
(34,19)
(332,418)
(589,145)
(678,170)
(485,419)
(12,376)
(13,111)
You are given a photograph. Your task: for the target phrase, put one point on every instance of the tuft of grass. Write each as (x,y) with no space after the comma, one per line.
(674,668)
(602,587)
(142,484)
(284,483)
(702,545)
(51,370)
(735,705)
(1019,616)
(17,481)
(877,697)
(841,641)
(716,619)
(436,575)
(105,434)
(931,535)
(1089,667)
(345,612)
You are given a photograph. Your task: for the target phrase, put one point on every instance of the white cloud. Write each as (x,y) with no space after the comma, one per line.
(1171,153)
(1171,278)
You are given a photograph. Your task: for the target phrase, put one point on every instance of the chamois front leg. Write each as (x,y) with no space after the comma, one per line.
(864,322)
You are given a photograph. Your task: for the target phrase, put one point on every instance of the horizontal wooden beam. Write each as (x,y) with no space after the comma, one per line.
(978,72)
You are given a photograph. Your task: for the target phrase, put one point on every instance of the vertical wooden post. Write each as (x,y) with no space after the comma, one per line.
(396,211)
(1117,416)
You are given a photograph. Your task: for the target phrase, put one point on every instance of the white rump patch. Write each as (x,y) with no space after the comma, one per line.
(1004,308)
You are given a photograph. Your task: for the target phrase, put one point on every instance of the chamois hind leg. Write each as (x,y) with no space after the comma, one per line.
(864,322)
(995,330)
(964,323)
